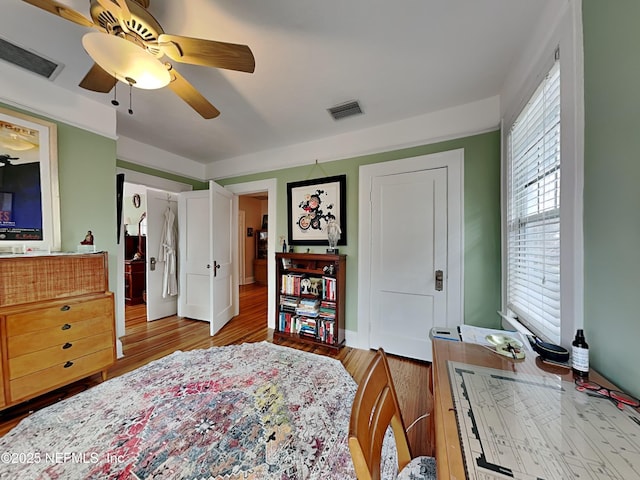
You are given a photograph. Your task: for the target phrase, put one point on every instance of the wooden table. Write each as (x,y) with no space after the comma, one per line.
(449,457)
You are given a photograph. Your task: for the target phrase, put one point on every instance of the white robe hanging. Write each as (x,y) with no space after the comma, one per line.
(167,254)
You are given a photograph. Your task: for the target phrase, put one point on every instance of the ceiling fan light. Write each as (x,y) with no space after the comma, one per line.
(126,61)
(16,144)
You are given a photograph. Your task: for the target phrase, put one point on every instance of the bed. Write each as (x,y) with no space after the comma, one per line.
(249,411)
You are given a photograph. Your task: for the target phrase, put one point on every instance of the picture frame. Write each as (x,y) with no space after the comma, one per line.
(311,204)
(29,160)
(265,222)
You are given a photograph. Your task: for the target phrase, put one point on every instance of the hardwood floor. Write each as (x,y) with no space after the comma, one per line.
(146,341)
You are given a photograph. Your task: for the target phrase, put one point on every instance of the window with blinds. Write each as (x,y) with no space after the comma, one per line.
(533,211)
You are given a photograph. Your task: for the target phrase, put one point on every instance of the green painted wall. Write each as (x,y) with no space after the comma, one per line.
(87,168)
(86,176)
(197,185)
(612,189)
(481,218)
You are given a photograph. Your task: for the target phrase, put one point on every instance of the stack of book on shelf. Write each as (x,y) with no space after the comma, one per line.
(288,322)
(329,288)
(328,310)
(288,303)
(291,284)
(327,315)
(308,311)
(308,307)
(288,306)
(307,327)
(326,329)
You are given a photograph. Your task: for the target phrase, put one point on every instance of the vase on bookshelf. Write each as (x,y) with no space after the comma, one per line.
(333,235)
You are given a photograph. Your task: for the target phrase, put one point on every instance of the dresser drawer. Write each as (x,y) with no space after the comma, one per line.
(60,374)
(69,332)
(57,315)
(59,354)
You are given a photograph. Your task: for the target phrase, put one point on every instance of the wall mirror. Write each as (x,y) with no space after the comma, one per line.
(29,193)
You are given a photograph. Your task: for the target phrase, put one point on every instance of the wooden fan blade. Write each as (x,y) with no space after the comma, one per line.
(208,53)
(98,80)
(124,10)
(189,94)
(61,10)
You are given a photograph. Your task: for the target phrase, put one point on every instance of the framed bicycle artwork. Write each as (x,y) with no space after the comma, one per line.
(312,206)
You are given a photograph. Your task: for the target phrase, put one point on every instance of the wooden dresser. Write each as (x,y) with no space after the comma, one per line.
(135,272)
(56,323)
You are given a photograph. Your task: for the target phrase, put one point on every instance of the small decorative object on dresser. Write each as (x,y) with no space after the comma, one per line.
(310,300)
(58,316)
(88,239)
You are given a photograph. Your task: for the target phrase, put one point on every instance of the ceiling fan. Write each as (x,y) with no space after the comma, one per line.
(126,25)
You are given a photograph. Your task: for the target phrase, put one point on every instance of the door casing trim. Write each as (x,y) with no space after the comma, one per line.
(453,160)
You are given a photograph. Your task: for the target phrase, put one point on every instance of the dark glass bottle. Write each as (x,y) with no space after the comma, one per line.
(580,355)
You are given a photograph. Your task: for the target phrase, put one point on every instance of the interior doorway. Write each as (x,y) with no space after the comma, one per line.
(134,208)
(253,236)
(144,217)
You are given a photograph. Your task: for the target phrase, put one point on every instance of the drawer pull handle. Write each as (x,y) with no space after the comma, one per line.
(68,364)
(65,308)
(67,345)
(66,326)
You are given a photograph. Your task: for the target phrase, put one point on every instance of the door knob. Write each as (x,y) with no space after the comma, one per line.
(439,280)
(152,263)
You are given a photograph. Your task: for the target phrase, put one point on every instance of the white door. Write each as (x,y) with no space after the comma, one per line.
(410,226)
(409,229)
(206,266)
(160,303)
(194,255)
(222,236)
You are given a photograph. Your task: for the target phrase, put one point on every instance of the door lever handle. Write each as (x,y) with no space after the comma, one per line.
(439,280)
(216,267)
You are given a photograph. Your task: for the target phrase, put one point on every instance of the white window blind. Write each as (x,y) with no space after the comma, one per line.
(533,211)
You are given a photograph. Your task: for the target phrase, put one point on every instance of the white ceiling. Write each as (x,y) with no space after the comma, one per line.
(400,59)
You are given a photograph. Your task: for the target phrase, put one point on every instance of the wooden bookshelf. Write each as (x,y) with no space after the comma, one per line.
(310,298)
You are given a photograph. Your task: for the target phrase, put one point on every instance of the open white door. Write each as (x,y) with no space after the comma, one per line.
(162,292)
(194,300)
(206,261)
(222,253)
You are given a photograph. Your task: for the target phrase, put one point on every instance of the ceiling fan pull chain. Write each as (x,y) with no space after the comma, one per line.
(130,105)
(115,101)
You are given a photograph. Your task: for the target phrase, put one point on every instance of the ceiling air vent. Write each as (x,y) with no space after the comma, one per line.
(28,60)
(345,110)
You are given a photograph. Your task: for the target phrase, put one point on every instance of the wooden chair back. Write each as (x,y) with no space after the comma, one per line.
(375,407)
